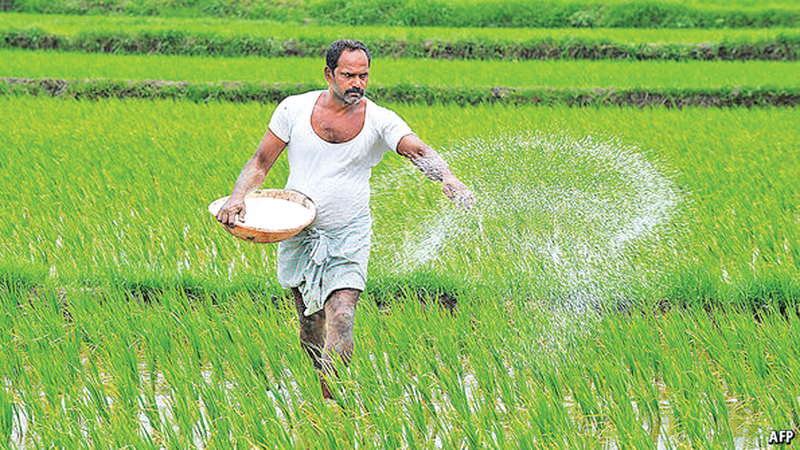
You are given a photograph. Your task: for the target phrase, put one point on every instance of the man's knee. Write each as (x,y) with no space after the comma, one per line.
(340,310)
(342,298)
(342,321)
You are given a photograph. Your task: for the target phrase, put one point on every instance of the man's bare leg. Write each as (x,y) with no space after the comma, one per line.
(312,330)
(340,314)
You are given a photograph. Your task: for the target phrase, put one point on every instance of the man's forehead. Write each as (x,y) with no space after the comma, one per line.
(353,59)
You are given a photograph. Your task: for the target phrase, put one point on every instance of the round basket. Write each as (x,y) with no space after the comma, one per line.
(261,235)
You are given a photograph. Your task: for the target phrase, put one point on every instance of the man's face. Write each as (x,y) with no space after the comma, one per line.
(349,80)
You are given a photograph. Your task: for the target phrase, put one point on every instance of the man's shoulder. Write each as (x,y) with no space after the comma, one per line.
(289,111)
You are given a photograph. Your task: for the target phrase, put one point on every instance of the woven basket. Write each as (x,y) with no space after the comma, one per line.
(260,235)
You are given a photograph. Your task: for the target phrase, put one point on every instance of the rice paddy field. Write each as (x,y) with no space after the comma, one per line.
(72,25)
(628,277)
(552,73)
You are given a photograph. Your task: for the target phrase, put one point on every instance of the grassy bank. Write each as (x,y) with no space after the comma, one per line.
(243,92)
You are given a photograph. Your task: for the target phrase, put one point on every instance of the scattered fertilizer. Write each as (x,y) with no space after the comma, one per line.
(565,215)
(575,223)
(275,214)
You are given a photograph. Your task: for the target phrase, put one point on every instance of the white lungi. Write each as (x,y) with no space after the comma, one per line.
(333,252)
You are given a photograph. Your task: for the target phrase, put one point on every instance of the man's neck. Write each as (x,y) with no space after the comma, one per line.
(338,105)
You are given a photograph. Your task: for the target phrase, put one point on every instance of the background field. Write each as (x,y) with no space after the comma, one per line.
(480,13)
(228,27)
(627,279)
(556,74)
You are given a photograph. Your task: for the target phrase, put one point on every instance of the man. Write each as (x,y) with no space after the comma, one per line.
(333,139)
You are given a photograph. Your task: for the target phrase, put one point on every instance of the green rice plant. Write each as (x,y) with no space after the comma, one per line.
(768,394)
(117,222)
(233,403)
(510,13)
(6,415)
(408,72)
(697,398)
(783,363)
(632,373)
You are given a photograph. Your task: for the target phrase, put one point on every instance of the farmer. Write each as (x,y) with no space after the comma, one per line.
(333,139)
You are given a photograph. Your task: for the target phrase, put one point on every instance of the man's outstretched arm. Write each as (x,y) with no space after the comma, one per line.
(251,177)
(435,168)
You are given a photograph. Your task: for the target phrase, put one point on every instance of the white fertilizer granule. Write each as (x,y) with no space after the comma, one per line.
(267,213)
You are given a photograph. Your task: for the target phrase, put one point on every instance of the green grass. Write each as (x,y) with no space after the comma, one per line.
(70,25)
(388,71)
(481,13)
(114,193)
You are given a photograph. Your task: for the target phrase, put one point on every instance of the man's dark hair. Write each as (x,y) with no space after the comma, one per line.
(335,51)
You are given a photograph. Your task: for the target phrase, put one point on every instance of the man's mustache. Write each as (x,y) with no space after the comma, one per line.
(354,90)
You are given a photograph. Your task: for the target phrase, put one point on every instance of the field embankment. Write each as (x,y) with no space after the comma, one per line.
(239,92)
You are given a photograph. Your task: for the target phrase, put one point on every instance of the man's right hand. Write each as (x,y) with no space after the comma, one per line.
(457,192)
(232,208)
